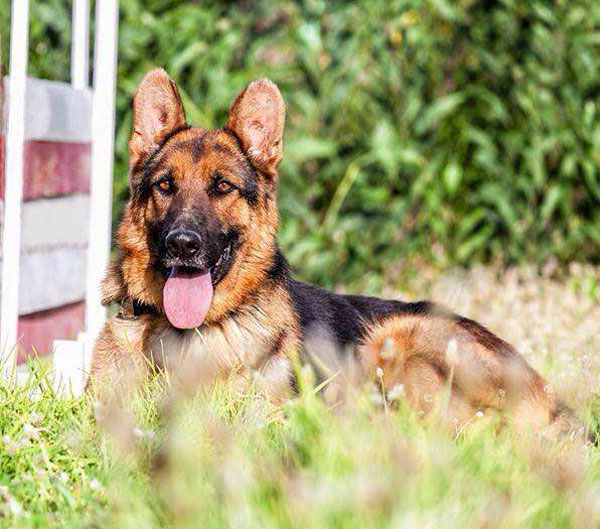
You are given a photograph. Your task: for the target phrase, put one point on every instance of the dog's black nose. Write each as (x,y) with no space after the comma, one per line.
(183,243)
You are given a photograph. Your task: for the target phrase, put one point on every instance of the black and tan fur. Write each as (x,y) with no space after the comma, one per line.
(260,317)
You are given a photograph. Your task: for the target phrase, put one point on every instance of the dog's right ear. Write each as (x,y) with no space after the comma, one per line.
(157,112)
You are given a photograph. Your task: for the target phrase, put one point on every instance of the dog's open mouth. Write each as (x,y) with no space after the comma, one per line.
(188,292)
(221,267)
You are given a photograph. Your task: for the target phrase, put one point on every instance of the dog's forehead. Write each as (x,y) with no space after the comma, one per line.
(199,147)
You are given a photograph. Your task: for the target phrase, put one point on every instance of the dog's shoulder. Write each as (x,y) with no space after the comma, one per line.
(344,317)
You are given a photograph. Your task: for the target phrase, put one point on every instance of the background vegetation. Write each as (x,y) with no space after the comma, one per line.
(460,130)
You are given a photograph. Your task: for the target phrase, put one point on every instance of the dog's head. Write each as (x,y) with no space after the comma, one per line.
(198,233)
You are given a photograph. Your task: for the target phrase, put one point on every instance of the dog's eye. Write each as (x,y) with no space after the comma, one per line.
(164,185)
(223,186)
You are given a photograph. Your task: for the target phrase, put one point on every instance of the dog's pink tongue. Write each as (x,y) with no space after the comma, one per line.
(187,297)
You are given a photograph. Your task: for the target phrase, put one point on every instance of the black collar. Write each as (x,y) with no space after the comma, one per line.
(132,308)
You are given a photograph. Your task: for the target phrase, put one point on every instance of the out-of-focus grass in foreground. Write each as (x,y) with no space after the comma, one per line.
(217,459)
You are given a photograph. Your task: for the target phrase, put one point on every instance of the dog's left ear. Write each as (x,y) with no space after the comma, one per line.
(258,117)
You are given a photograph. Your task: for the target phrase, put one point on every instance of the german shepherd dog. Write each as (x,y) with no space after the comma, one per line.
(199,274)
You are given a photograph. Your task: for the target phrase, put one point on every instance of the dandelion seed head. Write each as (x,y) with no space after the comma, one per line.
(479,414)
(379,372)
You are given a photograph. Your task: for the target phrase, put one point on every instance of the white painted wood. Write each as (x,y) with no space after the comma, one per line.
(11,237)
(80,44)
(55,222)
(53,252)
(88,347)
(55,111)
(103,131)
(68,368)
(52,278)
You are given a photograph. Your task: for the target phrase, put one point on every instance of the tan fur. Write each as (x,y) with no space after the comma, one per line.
(437,358)
(257,347)
(259,343)
(251,333)
(145,283)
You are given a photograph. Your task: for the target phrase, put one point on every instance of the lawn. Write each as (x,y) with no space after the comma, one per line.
(215,459)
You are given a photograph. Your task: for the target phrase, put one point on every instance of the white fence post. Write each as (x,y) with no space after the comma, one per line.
(80,44)
(13,193)
(103,131)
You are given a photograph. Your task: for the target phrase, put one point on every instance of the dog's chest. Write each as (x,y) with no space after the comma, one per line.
(239,341)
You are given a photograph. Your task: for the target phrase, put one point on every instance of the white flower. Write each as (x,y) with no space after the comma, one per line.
(452,353)
(10,445)
(396,393)
(479,414)
(376,398)
(36,418)
(388,351)
(379,372)
(30,431)
(14,507)
(141,434)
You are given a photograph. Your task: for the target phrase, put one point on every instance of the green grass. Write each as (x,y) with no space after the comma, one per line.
(216,459)
(50,456)
(221,460)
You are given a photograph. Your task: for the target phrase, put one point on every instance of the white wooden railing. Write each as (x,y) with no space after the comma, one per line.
(37,110)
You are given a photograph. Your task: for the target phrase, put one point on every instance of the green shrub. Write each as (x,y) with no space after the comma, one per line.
(464,130)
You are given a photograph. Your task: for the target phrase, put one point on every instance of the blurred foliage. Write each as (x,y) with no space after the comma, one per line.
(463,131)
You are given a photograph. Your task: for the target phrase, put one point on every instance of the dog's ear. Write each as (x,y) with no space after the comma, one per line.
(157,112)
(257,118)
